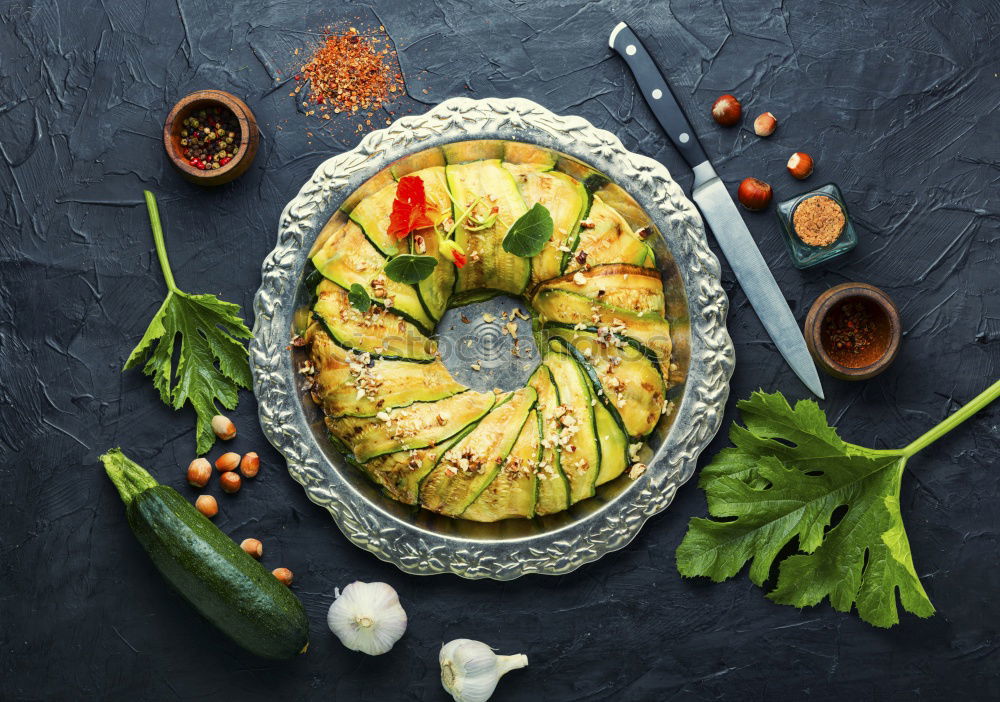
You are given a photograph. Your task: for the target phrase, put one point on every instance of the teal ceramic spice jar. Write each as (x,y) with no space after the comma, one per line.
(805,255)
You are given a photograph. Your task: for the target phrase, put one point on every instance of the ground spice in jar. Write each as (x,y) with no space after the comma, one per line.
(818,220)
(855,333)
(210,138)
(349,72)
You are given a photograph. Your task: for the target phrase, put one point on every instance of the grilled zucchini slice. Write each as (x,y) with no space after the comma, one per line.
(346,385)
(631,386)
(553,489)
(580,451)
(539,158)
(513,492)
(614,443)
(377,331)
(566,200)
(605,238)
(469,466)
(372,215)
(416,426)
(490,185)
(399,474)
(628,287)
(572,309)
(347,257)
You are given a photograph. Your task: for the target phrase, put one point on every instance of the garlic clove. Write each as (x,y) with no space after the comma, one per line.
(367,617)
(470,670)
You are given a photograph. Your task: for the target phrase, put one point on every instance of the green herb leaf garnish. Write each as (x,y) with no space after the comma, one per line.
(359,299)
(789,477)
(205,332)
(410,268)
(529,234)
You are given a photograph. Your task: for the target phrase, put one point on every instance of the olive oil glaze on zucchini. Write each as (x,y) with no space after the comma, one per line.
(597,300)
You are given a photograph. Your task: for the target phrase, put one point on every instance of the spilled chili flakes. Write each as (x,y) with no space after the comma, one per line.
(350,71)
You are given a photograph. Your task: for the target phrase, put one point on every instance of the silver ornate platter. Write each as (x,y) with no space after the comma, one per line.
(423,543)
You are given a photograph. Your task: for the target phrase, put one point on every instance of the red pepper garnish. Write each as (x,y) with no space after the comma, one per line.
(450,248)
(409,208)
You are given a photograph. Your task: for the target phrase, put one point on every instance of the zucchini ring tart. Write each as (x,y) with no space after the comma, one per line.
(597,303)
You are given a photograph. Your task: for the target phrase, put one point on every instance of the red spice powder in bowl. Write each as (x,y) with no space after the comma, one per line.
(853,331)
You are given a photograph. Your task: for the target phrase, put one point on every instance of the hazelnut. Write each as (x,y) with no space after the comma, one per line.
(199,471)
(253,547)
(207,505)
(250,465)
(765,125)
(726,110)
(223,427)
(800,165)
(230,482)
(754,194)
(227,461)
(283,574)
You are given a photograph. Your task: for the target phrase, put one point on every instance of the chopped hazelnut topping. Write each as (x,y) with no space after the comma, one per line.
(636,470)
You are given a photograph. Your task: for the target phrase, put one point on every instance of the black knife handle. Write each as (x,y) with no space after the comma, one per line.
(658,94)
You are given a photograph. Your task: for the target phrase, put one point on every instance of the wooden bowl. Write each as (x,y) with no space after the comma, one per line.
(885,337)
(200,100)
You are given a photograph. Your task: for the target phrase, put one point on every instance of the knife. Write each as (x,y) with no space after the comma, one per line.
(719,210)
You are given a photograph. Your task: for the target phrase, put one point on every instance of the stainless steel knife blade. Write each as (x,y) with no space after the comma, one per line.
(720,211)
(754,276)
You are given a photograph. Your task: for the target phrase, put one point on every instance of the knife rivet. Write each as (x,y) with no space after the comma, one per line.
(684,137)
(630,49)
(657,94)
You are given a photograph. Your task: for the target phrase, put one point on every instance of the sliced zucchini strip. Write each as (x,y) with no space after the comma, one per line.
(470,466)
(605,237)
(513,491)
(628,287)
(553,489)
(631,386)
(355,384)
(378,331)
(574,310)
(415,426)
(576,440)
(566,200)
(347,257)
(485,186)
(399,474)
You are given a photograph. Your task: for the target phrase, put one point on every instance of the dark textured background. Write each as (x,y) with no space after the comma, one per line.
(897,102)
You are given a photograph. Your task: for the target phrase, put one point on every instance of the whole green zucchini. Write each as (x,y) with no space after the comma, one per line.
(228,587)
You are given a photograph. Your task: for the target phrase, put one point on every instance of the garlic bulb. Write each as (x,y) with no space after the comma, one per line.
(470,670)
(367,617)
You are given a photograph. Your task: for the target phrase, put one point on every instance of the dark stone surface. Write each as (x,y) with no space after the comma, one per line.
(897,103)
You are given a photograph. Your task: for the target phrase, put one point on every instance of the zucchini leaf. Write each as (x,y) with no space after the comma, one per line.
(789,477)
(206,333)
